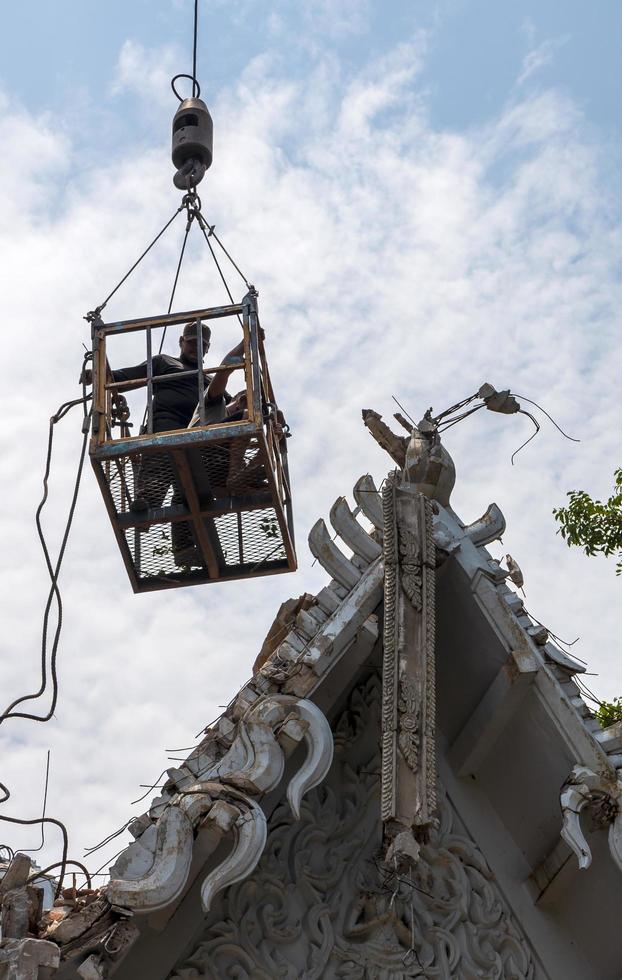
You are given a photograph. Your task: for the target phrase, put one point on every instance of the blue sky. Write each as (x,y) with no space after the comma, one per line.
(52,53)
(426,195)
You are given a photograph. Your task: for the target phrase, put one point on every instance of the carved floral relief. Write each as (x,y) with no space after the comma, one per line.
(321,904)
(409,737)
(411,562)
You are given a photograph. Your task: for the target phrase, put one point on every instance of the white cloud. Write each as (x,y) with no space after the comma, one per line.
(336,18)
(540,56)
(147,72)
(390,258)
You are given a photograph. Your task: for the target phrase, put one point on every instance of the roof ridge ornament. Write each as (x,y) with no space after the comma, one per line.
(603,795)
(224,799)
(426,463)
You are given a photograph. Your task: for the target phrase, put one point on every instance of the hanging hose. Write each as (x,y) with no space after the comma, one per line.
(54,593)
(53,571)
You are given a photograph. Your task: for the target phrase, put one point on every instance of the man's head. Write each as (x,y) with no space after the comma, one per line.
(188,345)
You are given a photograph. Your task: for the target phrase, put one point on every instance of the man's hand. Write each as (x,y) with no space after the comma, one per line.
(280,425)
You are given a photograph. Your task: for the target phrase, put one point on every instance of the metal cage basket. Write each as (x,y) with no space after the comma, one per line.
(217,493)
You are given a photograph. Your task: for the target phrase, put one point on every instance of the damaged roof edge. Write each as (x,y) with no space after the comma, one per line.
(243,754)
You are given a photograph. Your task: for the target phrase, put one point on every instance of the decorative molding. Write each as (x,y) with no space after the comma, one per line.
(585,789)
(390,646)
(488,528)
(411,571)
(320,906)
(220,803)
(409,711)
(429,613)
(168,872)
(409,683)
(250,832)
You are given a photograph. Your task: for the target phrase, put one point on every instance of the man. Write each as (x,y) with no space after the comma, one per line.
(174,402)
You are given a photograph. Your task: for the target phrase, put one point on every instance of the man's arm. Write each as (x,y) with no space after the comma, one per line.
(138,372)
(218,383)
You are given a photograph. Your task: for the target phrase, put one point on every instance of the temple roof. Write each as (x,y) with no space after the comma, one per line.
(317,649)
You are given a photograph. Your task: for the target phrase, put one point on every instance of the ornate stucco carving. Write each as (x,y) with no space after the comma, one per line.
(389,662)
(409,709)
(320,904)
(409,737)
(585,790)
(410,565)
(150,875)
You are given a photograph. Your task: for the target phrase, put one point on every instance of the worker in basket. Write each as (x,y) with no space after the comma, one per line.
(174,405)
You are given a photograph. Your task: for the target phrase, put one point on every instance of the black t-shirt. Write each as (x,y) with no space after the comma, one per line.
(174,400)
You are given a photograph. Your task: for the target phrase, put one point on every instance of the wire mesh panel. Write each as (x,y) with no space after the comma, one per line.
(250,539)
(197,514)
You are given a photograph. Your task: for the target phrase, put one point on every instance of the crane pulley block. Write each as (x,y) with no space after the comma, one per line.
(192,142)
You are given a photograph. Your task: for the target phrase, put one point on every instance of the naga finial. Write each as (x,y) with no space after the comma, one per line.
(425,463)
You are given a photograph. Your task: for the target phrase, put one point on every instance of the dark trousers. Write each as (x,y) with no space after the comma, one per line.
(153,479)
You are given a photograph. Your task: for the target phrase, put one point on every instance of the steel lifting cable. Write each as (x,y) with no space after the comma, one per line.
(176,280)
(193,211)
(212,234)
(178,270)
(98,309)
(202,224)
(196,88)
(195,84)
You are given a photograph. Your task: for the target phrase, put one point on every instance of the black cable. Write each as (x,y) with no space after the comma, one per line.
(102,306)
(447,424)
(170,302)
(194,49)
(33,850)
(96,847)
(455,408)
(232,261)
(57,823)
(149,789)
(53,573)
(550,417)
(202,223)
(532,436)
(181,258)
(58,864)
(403,409)
(108,862)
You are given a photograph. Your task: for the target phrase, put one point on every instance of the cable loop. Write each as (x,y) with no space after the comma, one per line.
(195,84)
